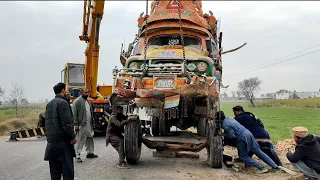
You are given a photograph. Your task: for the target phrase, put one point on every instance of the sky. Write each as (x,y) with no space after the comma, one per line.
(38,38)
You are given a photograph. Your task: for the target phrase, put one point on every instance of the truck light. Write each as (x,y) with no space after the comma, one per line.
(191,66)
(98,110)
(202,67)
(134,65)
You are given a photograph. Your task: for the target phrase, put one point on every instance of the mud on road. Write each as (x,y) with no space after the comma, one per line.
(24,160)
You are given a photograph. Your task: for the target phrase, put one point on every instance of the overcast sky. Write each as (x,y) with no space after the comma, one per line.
(38,38)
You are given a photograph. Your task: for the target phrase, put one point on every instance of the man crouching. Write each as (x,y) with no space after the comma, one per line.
(114,134)
(306,157)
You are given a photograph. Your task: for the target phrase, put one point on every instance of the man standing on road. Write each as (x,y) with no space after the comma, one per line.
(306,157)
(60,135)
(114,134)
(245,143)
(256,127)
(82,117)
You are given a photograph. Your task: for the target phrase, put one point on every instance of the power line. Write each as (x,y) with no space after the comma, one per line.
(286,56)
(312,52)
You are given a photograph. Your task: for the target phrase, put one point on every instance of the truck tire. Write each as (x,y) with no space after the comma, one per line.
(201,129)
(164,126)
(215,149)
(155,126)
(132,141)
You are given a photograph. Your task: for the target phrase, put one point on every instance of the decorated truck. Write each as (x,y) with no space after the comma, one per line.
(172,71)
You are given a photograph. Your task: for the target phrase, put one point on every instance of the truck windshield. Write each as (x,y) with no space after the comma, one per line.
(175,40)
(76,75)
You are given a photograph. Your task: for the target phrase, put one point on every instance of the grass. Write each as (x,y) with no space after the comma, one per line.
(291,103)
(279,121)
(27,118)
(278,116)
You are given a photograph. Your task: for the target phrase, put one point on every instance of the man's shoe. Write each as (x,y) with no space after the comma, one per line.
(92,156)
(123,166)
(262,170)
(79,160)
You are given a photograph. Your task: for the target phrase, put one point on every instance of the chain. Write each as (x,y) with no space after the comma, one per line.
(145,38)
(181,33)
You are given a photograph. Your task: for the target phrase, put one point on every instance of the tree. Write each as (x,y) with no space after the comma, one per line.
(248,87)
(238,94)
(1,92)
(24,101)
(225,95)
(233,94)
(15,97)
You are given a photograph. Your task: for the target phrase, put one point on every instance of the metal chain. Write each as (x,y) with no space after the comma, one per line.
(145,37)
(181,33)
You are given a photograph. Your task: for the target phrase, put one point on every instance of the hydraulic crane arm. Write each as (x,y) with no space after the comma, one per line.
(92,15)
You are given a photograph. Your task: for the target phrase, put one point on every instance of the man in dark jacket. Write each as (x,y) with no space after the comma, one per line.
(114,134)
(256,127)
(60,135)
(306,157)
(245,143)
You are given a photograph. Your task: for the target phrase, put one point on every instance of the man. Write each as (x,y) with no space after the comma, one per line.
(82,118)
(245,143)
(256,127)
(60,135)
(306,157)
(41,122)
(114,134)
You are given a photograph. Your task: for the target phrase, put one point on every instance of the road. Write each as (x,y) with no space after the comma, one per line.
(24,160)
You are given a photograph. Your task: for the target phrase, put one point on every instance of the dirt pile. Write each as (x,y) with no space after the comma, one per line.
(16,124)
(285,146)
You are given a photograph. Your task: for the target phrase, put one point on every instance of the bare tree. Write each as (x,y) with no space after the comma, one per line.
(248,87)
(233,94)
(1,92)
(15,97)
(238,94)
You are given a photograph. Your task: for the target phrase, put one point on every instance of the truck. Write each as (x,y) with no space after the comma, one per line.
(85,75)
(173,72)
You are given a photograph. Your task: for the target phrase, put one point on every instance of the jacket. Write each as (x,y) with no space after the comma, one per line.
(254,125)
(116,124)
(58,129)
(235,130)
(308,151)
(80,112)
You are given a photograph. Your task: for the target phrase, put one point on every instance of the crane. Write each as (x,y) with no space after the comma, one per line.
(78,75)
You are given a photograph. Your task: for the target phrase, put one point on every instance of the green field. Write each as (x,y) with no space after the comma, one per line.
(291,103)
(279,121)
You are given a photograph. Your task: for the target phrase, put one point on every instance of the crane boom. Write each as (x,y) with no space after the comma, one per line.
(92,16)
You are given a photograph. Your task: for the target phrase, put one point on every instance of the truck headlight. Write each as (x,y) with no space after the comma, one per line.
(202,67)
(191,67)
(134,65)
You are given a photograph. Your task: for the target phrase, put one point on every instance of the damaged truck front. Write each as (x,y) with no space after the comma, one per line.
(173,71)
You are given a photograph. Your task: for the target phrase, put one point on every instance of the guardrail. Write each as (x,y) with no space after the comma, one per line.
(26,133)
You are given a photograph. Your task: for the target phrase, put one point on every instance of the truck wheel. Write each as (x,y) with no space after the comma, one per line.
(201,129)
(164,126)
(155,126)
(132,142)
(215,149)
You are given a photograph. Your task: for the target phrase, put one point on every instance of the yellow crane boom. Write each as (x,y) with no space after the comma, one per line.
(92,16)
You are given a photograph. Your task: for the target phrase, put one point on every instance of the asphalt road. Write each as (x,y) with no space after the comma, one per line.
(24,160)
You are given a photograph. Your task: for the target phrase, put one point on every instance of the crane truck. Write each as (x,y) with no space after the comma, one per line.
(78,75)
(172,71)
